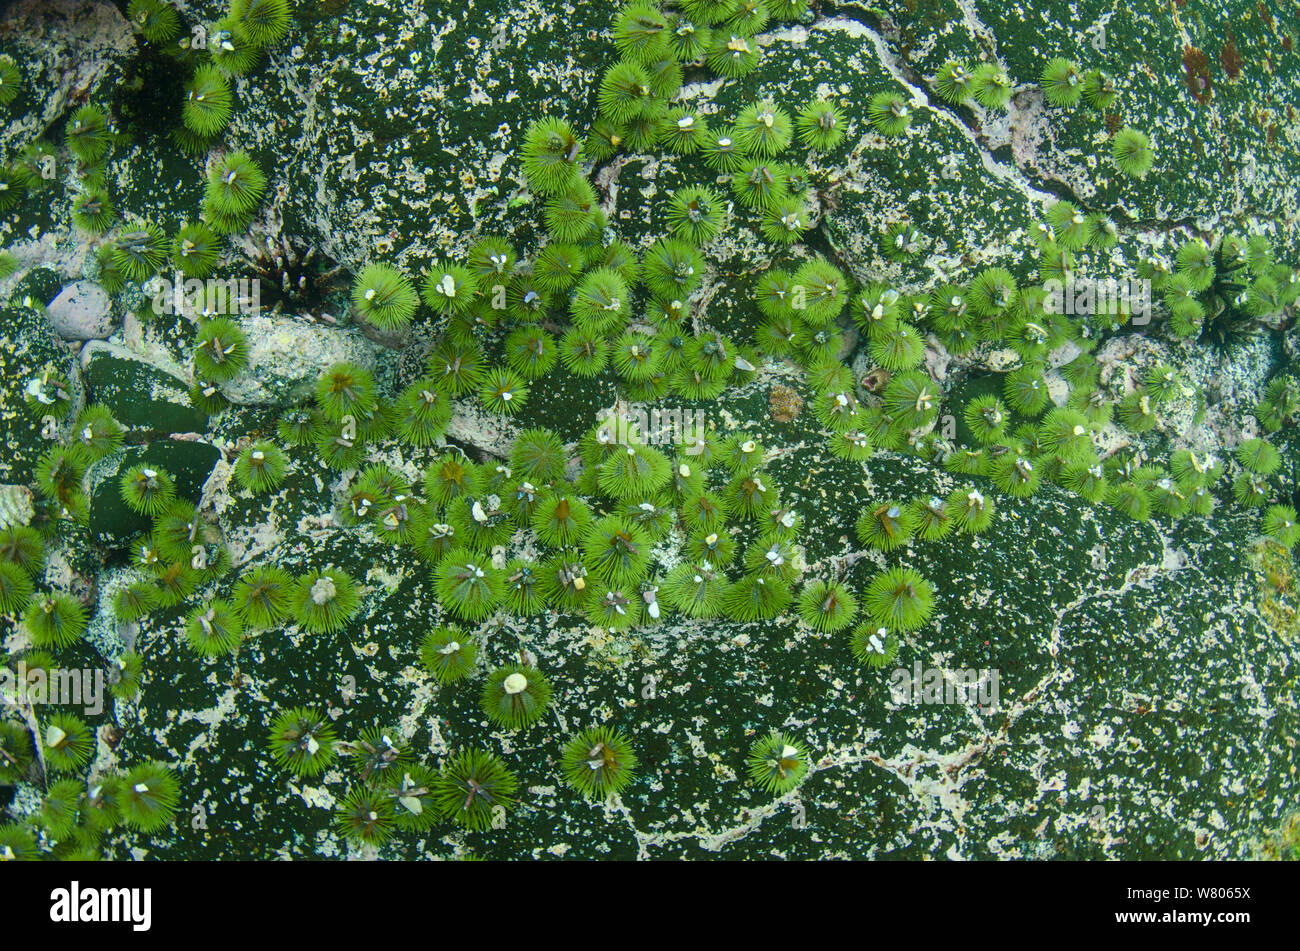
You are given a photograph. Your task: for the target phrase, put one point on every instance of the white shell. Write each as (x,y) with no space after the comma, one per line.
(515,683)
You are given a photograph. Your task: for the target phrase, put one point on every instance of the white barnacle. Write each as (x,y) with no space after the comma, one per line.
(35,389)
(323,591)
(515,683)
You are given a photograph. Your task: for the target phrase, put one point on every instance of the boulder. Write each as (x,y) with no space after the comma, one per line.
(82,311)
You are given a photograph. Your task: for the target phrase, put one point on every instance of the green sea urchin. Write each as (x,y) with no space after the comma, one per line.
(899,599)
(149,796)
(598,762)
(474,789)
(383,296)
(1132,153)
(325,600)
(302,741)
(448,654)
(515,696)
(777,763)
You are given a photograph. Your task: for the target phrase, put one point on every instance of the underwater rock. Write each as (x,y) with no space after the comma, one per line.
(287,355)
(38,367)
(38,287)
(113,523)
(139,394)
(82,311)
(1127,656)
(65,49)
(15,505)
(1106,649)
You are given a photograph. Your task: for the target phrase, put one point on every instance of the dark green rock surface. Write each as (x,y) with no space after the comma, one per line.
(112,522)
(1146,706)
